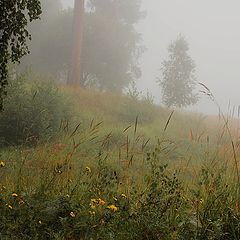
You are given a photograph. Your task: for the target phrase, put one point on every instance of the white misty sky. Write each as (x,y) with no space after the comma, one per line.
(212,30)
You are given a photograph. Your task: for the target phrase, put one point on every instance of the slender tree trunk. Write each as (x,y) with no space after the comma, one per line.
(75,67)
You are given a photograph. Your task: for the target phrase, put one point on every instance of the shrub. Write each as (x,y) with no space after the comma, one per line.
(33,110)
(131,108)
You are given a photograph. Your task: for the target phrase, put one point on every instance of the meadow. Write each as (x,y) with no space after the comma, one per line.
(81,164)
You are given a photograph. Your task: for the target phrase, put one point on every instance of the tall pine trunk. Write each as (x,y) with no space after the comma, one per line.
(75,67)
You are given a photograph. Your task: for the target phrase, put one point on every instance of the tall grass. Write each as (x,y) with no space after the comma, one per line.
(120,176)
(33,110)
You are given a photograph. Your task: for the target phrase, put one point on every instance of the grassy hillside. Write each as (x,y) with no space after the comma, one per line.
(113,167)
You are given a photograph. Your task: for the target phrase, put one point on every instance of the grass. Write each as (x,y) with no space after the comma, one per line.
(123,169)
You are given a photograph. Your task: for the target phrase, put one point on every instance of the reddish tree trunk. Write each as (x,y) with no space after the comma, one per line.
(75,67)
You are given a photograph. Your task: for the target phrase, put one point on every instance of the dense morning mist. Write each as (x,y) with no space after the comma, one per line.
(119,119)
(211,28)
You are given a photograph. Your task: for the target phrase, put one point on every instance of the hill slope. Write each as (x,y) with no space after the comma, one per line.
(121,169)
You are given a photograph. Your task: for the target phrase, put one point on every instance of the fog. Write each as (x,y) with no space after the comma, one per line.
(212,31)
(211,28)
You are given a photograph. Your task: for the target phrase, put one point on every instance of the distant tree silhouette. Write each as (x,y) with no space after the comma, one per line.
(178,80)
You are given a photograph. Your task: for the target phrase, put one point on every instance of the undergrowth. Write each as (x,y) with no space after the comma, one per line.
(160,177)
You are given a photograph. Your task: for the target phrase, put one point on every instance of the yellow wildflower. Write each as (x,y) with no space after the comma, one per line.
(88,169)
(94,200)
(14,195)
(92,213)
(115,199)
(9,206)
(112,208)
(72,214)
(93,203)
(2,164)
(123,195)
(101,202)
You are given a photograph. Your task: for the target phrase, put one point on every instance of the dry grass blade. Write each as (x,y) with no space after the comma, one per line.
(66,127)
(94,127)
(127,128)
(135,126)
(75,130)
(168,121)
(34,95)
(203,85)
(91,124)
(145,144)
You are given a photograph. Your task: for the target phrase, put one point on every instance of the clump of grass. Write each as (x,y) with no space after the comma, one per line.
(33,110)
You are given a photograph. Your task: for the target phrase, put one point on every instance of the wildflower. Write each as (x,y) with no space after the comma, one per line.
(72,214)
(9,206)
(112,207)
(40,222)
(21,202)
(93,203)
(93,206)
(2,164)
(88,169)
(68,196)
(93,200)
(101,202)
(92,213)
(123,195)
(14,195)
(115,199)
(201,200)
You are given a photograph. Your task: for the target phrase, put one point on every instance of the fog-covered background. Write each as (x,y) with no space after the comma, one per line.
(212,30)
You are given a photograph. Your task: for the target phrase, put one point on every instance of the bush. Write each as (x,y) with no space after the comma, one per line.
(33,110)
(131,108)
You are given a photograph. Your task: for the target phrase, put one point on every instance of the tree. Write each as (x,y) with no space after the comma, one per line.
(111,46)
(178,79)
(15,16)
(75,66)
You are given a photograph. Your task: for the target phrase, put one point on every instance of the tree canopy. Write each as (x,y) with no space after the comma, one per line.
(111,45)
(15,16)
(178,80)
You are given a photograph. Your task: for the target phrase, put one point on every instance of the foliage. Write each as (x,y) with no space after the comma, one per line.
(178,80)
(33,110)
(133,92)
(131,109)
(15,16)
(111,45)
